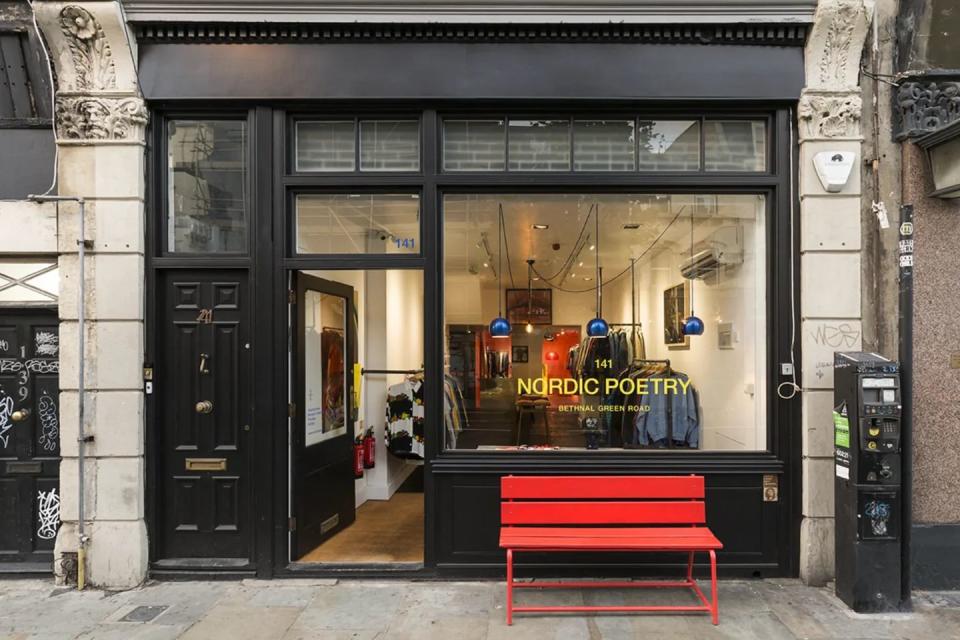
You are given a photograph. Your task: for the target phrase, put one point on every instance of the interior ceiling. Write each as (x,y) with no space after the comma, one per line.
(468,219)
(470,228)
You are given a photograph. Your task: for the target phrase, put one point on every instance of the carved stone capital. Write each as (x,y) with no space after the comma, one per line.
(93,118)
(926,105)
(824,115)
(836,42)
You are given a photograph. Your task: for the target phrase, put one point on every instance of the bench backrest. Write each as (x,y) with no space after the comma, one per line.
(600,500)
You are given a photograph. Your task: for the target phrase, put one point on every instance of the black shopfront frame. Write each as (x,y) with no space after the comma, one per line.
(457,541)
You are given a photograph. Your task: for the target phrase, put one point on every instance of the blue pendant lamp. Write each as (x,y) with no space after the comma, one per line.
(692,326)
(598,327)
(500,326)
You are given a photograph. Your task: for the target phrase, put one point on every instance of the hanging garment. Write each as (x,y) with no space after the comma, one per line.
(673,419)
(405,419)
(454,410)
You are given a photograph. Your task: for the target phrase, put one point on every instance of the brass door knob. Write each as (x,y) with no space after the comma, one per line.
(20,415)
(204,406)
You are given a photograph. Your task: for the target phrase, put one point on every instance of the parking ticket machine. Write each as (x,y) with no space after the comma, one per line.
(867,470)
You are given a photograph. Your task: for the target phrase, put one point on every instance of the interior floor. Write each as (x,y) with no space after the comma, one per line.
(385,531)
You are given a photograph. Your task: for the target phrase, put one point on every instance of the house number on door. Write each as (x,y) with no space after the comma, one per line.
(205,316)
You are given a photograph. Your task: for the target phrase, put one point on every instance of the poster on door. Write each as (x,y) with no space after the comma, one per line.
(324,374)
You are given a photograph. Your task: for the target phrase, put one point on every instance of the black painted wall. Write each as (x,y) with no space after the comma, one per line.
(26,162)
(936,556)
(26,138)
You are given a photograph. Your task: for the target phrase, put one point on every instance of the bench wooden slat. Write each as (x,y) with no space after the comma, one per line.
(574,487)
(515,513)
(599,532)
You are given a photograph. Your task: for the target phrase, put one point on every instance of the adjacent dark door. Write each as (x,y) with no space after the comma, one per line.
(29,437)
(322,439)
(204,408)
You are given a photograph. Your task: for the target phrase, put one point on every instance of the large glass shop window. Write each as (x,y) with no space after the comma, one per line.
(534,369)
(206,183)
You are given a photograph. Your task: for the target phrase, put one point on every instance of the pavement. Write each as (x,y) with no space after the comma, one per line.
(299,609)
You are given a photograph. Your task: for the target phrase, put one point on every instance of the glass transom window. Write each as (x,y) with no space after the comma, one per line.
(349,145)
(603,145)
(357,223)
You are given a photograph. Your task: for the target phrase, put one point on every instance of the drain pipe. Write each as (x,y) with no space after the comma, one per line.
(82,438)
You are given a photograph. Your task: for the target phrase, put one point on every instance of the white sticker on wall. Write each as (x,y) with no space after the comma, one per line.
(843,472)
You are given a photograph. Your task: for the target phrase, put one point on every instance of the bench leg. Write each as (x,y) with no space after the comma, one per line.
(509,587)
(715,609)
(690,567)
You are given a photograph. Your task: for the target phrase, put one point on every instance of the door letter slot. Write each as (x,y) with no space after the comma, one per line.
(206,464)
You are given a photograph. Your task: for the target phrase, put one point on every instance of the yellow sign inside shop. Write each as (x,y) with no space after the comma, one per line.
(595,386)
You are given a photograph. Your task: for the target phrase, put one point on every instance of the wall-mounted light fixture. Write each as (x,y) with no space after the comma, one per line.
(943,152)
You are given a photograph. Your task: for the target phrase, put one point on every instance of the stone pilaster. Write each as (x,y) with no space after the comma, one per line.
(829,117)
(100,118)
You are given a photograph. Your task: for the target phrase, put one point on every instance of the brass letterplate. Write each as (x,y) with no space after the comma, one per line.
(206,464)
(24,467)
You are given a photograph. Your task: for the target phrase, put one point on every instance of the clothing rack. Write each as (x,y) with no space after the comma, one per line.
(644,361)
(364,372)
(637,328)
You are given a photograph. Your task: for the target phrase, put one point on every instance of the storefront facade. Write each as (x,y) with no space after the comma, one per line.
(331,214)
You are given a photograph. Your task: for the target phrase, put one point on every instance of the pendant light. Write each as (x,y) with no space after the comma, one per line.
(500,326)
(598,327)
(529,295)
(692,326)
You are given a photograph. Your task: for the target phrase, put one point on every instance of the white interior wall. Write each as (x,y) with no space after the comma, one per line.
(731,395)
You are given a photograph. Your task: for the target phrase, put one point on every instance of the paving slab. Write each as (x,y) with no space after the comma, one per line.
(231,623)
(398,610)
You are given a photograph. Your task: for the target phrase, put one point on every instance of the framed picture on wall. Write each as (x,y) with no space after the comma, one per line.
(521,354)
(534,306)
(676,308)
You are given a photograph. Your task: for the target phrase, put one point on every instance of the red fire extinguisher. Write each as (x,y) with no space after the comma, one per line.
(358,457)
(369,450)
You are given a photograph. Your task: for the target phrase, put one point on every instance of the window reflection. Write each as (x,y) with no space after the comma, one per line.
(207,186)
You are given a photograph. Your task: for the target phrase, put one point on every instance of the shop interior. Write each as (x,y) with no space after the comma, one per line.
(531,262)
(534,261)
(384,429)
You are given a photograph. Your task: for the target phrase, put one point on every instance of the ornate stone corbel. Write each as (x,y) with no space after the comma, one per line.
(92,58)
(829,115)
(836,43)
(100,118)
(926,105)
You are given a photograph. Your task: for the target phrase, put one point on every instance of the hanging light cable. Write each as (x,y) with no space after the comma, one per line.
(692,326)
(500,326)
(598,327)
(529,295)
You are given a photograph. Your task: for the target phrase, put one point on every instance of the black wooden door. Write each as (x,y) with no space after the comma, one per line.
(322,439)
(29,436)
(204,408)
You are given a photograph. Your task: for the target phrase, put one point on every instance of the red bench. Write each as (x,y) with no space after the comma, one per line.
(607,513)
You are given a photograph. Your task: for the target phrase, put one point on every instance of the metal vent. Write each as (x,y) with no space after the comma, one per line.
(759,34)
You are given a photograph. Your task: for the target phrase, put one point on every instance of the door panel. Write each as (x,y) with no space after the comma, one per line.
(204,408)
(29,436)
(322,440)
